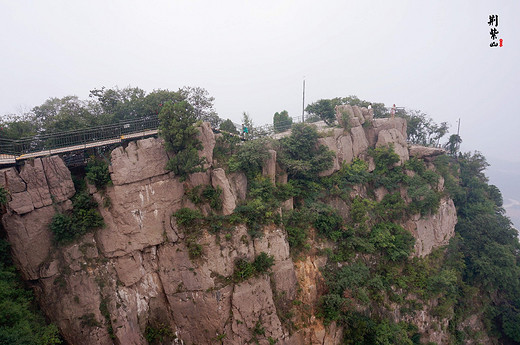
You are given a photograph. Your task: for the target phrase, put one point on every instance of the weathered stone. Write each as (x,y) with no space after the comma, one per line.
(140,160)
(218,179)
(274,243)
(330,143)
(359,141)
(21,203)
(345,153)
(30,239)
(59,179)
(269,167)
(435,230)
(393,137)
(13,182)
(34,176)
(358,114)
(423,152)
(251,301)
(387,123)
(138,214)
(129,268)
(207,137)
(238,184)
(368,114)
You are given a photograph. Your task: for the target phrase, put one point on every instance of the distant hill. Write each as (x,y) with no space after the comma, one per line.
(506,176)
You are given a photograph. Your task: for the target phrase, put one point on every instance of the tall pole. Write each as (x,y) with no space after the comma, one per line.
(303,106)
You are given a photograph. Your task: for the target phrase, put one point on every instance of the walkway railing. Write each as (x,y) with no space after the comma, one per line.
(44,144)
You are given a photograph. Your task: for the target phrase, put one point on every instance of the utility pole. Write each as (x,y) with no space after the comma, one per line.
(303,106)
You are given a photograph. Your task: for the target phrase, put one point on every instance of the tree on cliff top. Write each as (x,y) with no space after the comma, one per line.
(176,126)
(281,121)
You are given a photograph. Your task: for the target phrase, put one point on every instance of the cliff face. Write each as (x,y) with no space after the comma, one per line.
(135,275)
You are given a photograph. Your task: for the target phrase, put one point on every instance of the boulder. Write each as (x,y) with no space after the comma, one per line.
(218,179)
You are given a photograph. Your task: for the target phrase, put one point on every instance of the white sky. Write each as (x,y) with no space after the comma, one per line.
(252,56)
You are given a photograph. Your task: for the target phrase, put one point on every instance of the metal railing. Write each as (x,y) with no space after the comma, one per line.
(77,139)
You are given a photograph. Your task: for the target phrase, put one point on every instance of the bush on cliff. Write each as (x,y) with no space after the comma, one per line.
(97,172)
(176,126)
(83,218)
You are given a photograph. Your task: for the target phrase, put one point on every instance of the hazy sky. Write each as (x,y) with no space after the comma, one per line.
(252,56)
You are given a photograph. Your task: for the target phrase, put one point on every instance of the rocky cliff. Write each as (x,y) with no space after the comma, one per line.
(134,279)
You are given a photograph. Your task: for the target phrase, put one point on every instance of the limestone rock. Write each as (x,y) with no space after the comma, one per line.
(34,176)
(58,177)
(140,160)
(218,179)
(393,137)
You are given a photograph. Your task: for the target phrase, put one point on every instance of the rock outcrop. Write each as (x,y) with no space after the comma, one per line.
(139,271)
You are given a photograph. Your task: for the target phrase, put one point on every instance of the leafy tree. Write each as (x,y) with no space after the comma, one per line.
(301,154)
(202,104)
(229,126)
(453,144)
(281,121)
(62,114)
(325,109)
(176,126)
(17,126)
(422,130)
(250,157)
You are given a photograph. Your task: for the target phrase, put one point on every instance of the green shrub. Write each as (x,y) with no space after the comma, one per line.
(263,262)
(396,242)
(250,158)
(213,196)
(391,208)
(97,172)
(245,269)
(301,154)
(188,218)
(158,334)
(3,196)
(83,218)
(331,306)
(329,223)
(176,126)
